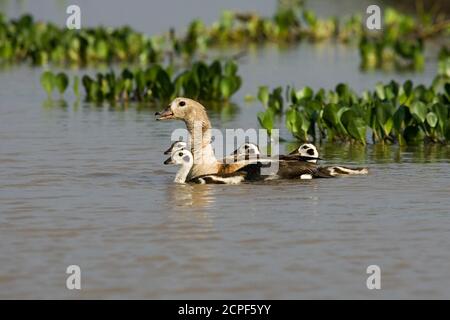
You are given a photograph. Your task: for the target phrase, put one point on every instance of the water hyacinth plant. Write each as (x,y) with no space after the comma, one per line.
(25,40)
(444,62)
(400,44)
(217,81)
(50,81)
(392,113)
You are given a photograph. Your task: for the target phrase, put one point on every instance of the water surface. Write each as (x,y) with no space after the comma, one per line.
(85,185)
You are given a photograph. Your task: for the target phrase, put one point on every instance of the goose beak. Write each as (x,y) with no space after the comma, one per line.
(168,161)
(166,114)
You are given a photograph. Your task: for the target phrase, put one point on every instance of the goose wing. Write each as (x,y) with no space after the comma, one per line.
(232,178)
(250,166)
(293,169)
(286,169)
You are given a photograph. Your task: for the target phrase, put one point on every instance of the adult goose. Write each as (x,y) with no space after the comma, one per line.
(194,115)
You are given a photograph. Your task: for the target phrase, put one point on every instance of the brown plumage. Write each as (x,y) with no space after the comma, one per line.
(194,115)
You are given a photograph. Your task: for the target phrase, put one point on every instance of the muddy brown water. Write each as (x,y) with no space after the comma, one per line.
(85,185)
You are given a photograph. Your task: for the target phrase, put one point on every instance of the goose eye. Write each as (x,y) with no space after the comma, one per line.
(305,147)
(182,103)
(246,147)
(180,154)
(310,152)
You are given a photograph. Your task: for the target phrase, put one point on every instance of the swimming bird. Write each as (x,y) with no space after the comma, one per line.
(306,152)
(185,159)
(250,149)
(177,145)
(308,149)
(194,115)
(247,149)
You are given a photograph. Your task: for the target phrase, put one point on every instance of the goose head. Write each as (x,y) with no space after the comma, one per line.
(308,150)
(197,123)
(177,145)
(184,109)
(183,158)
(247,149)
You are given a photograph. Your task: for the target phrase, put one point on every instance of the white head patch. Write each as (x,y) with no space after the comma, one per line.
(309,150)
(181,156)
(248,149)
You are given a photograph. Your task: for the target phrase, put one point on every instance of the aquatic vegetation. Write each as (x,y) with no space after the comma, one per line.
(392,113)
(50,82)
(399,44)
(217,81)
(26,40)
(396,54)
(444,62)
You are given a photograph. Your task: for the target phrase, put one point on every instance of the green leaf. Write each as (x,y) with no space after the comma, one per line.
(418,110)
(399,118)
(305,93)
(276,100)
(266,119)
(357,128)
(330,115)
(379,88)
(226,87)
(230,68)
(297,124)
(48,82)
(441,112)
(62,82)
(263,95)
(432,119)
(354,125)
(76,86)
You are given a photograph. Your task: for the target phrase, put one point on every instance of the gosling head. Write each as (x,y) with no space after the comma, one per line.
(183,158)
(183,109)
(176,146)
(308,150)
(180,157)
(247,149)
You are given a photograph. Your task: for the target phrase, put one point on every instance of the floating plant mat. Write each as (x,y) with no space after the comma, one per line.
(399,44)
(217,81)
(391,113)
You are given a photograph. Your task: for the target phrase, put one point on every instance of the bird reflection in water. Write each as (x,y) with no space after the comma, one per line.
(190,210)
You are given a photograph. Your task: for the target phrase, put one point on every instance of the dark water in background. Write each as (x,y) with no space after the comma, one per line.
(85,185)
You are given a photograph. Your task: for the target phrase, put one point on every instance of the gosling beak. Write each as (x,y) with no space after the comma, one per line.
(166,114)
(168,161)
(168,151)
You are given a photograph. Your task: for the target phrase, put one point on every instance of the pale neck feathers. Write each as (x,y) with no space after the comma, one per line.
(199,128)
(184,170)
